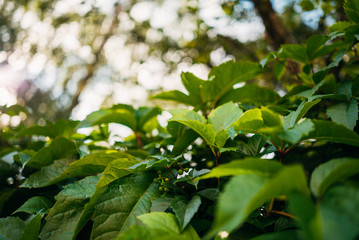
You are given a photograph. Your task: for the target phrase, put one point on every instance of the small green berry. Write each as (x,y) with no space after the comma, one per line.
(160,188)
(167,179)
(186,169)
(155,180)
(159,172)
(180,172)
(210,164)
(162,183)
(166,189)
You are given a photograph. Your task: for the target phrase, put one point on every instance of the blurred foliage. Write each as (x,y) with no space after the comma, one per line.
(32,29)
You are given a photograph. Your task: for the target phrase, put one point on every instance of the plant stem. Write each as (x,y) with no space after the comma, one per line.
(283,214)
(139,141)
(270,207)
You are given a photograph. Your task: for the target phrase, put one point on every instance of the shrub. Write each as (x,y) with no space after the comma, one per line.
(238,163)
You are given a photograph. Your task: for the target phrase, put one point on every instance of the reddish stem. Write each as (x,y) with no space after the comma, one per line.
(139,141)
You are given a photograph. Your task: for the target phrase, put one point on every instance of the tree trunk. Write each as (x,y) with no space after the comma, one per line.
(276,33)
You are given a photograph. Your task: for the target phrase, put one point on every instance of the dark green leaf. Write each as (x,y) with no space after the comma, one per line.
(11,228)
(47,175)
(62,147)
(250,93)
(120,116)
(307,215)
(316,46)
(35,205)
(254,190)
(302,109)
(176,96)
(223,77)
(298,132)
(125,199)
(42,158)
(248,165)
(351,8)
(338,210)
(62,220)
(294,51)
(38,131)
(32,229)
(167,222)
(307,5)
(144,115)
(84,188)
(185,210)
(283,235)
(193,85)
(161,204)
(331,172)
(330,131)
(344,113)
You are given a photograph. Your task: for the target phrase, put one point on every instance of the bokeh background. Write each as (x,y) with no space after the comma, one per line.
(67,58)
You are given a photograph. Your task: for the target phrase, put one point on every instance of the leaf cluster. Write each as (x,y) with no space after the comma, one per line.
(240,162)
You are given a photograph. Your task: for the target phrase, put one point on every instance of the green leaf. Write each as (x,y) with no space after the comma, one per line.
(283,235)
(248,165)
(144,115)
(185,210)
(302,109)
(35,205)
(224,116)
(93,117)
(115,170)
(294,51)
(64,127)
(37,131)
(316,46)
(47,175)
(66,217)
(223,77)
(11,228)
(84,188)
(32,228)
(161,204)
(146,233)
(307,215)
(93,163)
(125,199)
(167,222)
(250,93)
(254,190)
(307,5)
(351,8)
(338,210)
(62,147)
(262,121)
(176,96)
(344,113)
(67,168)
(193,85)
(253,147)
(298,132)
(221,138)
(346,89)
(331,172)
(41,158)
(197,123)
(183,140)
(62,219)
(330,131)
(120,116)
